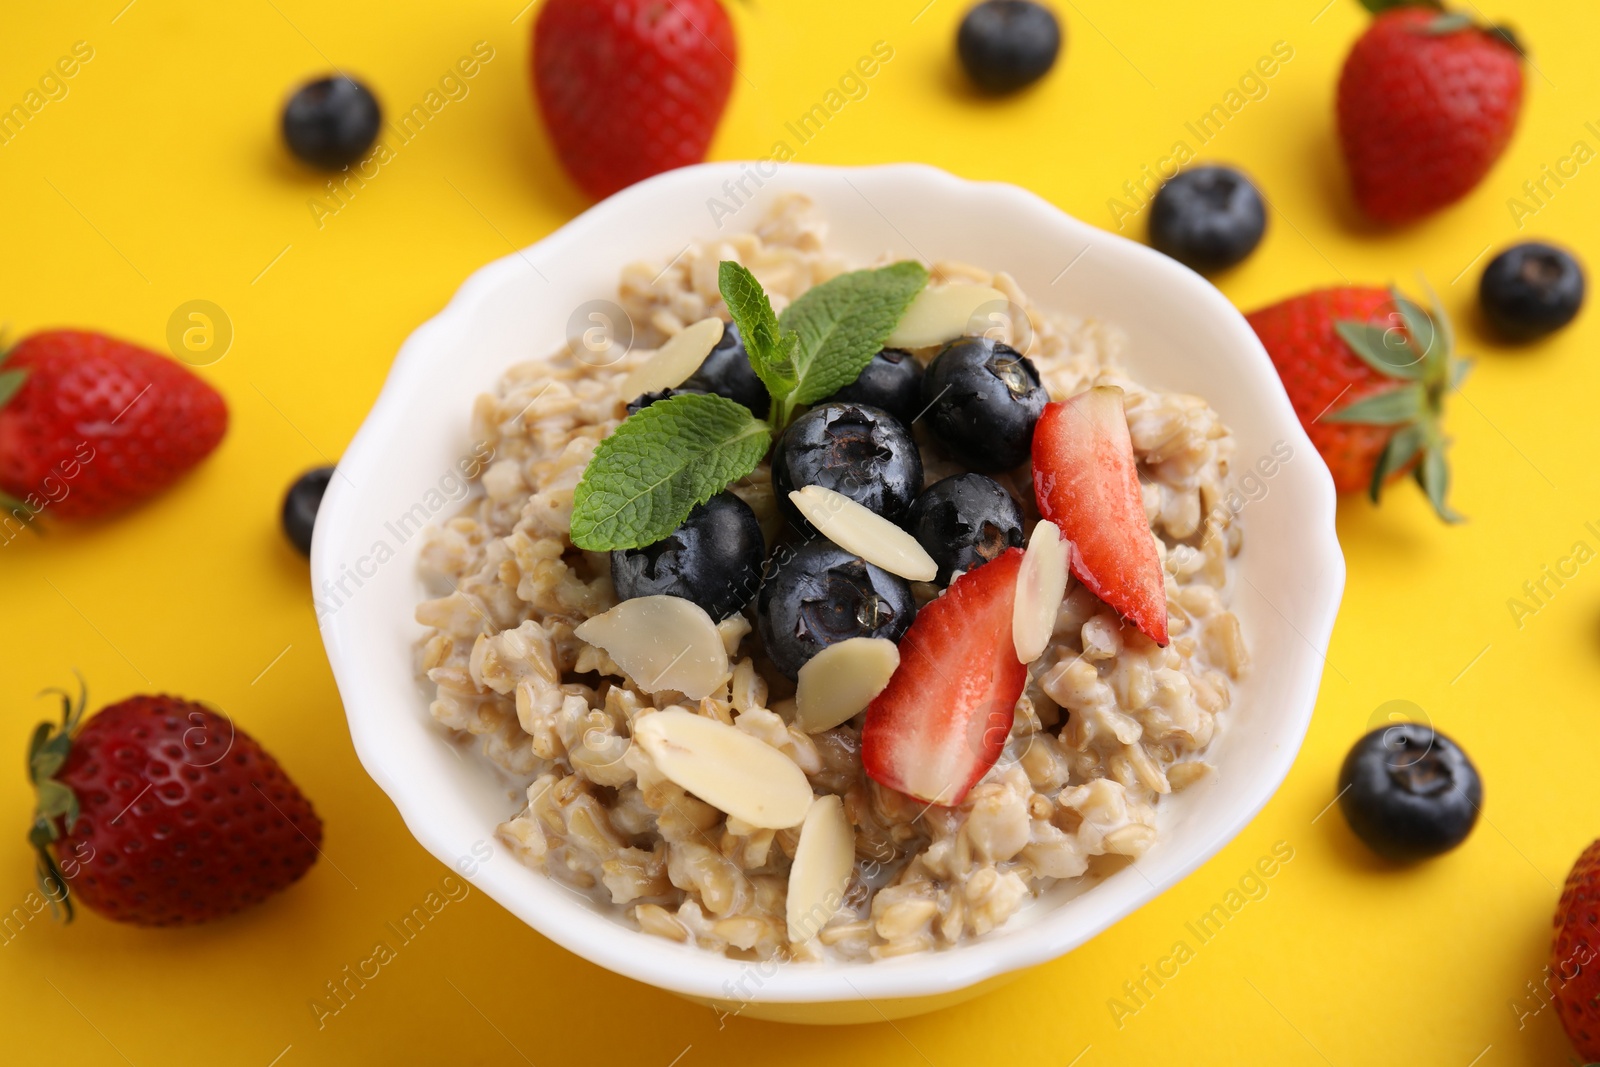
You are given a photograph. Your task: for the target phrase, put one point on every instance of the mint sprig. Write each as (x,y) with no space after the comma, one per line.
(661,463)
(677,453)
(822,341)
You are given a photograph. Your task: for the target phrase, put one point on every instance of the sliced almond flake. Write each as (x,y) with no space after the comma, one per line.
(674,362)
(727,768)
(859,529)
(942,314)
(841,680)
(662,643)
(1041,583)
(823,860)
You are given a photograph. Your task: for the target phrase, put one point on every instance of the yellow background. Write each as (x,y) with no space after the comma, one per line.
(159,179)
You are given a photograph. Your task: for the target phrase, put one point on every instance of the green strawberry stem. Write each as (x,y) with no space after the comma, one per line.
(47,752)
(11,382)
(1449,22)
(1421,360)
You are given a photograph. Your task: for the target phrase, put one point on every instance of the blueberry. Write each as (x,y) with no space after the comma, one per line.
(857,450)
(300,505)
(330,123)
(892,381)
(1409,792)
(1208,218)
(817,594)
(982,399)
(1530,290)
(727,372)
(644,400)
(1007,44)
(713,559)
(964,521)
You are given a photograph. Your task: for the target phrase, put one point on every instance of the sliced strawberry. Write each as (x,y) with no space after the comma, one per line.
(942,720)
(1087,483)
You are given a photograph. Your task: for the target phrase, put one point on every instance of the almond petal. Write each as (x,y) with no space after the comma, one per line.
(859,529)
(674,362)
(940,315)
(727,768)
(662,642)
(1041,583)
(837,683)
(823,860)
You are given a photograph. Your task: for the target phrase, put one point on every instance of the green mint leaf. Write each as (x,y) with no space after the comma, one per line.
(771,354)
(843,323)
(645,478)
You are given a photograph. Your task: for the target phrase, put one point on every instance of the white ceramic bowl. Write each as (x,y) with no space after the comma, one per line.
(1183,335)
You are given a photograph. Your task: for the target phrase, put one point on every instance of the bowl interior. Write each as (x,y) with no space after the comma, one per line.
(400,473)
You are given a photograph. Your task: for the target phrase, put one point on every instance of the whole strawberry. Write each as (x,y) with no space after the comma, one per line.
(630,88)
(91,425)
(1575,955)
(1427,101)
(1367,371)
(160,812)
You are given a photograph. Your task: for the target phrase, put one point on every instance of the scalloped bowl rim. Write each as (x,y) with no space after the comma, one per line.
(359,647)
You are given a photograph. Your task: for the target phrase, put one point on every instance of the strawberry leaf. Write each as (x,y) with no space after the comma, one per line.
(19,508)
(1383,348)
(1433,474)
(1444,25)
(1401,450)
(1392,408)
(10,382)
(41,734)
(1424,339)
(1378,7)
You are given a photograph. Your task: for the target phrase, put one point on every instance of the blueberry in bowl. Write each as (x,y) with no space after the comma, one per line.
(1409,792)
(1531,290)
(964,521)
(644,400)
(859,451)
(726,371)
(892,381)
(816,594)
(714,559)
(1208,218)
(983,399)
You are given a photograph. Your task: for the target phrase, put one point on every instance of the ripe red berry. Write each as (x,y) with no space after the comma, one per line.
(631,88)
(1367,371)
(159,811)
(1427,102)
(1575,955)
(94,425)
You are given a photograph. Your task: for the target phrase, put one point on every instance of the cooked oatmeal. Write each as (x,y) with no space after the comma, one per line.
(1109,723)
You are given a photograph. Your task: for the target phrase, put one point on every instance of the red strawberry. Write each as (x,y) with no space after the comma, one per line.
(630,88)
(94,425)
(1087,482)
(160,812)
(1575,955)
(945,715)
(1367,371)
(1427,102)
